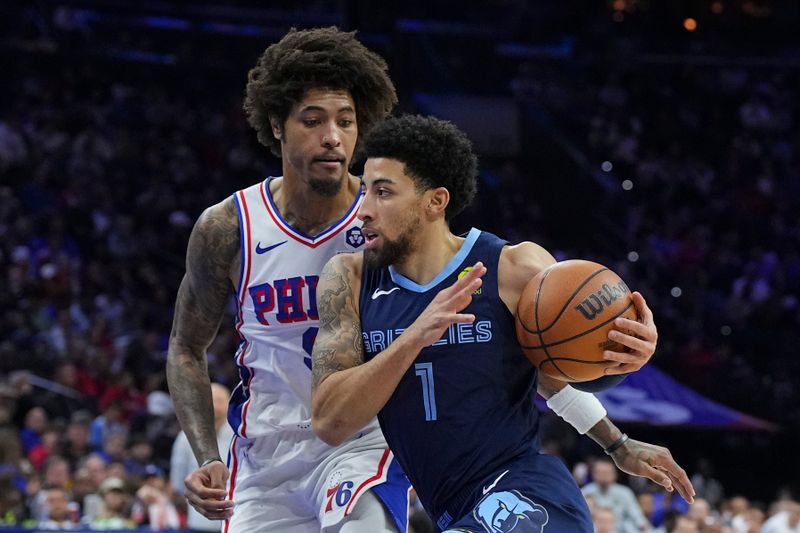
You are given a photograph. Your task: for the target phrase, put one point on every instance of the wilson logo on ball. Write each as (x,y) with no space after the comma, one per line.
(594,304)
(564,344)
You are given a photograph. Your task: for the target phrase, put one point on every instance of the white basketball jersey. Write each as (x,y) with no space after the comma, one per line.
(278,317)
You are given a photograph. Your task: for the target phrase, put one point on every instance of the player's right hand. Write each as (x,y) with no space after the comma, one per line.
(445,308)
(205,491)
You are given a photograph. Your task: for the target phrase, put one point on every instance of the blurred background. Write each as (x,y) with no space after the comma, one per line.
(659,138)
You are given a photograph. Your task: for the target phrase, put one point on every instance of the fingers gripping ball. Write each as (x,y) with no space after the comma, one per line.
(564,316)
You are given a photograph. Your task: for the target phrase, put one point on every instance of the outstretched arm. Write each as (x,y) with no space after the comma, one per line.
(631,456)
(200,305)
(520,263)
(347,392)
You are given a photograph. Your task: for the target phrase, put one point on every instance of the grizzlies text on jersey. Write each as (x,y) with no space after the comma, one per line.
(475,372)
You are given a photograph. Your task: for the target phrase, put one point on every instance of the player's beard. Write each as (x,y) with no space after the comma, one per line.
(326,187)
(394,251)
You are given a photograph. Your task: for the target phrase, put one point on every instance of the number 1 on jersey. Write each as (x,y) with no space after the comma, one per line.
(425,373)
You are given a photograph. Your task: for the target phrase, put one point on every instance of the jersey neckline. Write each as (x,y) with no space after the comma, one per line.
(301,236)
(448,269)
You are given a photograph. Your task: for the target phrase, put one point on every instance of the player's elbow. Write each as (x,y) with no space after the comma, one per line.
(327,422)
(329,430)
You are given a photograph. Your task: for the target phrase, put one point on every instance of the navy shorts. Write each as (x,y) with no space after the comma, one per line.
(533,494)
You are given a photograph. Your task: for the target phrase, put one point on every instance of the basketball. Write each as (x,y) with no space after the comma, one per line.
(564,316)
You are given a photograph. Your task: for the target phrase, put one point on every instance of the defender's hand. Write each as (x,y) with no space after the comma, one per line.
(205,491)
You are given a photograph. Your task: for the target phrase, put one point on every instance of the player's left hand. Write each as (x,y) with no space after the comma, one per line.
(655,463)
(639,337)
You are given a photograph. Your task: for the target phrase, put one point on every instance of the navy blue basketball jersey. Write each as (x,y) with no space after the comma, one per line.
(465,406)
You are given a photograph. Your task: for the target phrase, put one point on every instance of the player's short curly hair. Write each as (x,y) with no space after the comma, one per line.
(435,153)
(320,58)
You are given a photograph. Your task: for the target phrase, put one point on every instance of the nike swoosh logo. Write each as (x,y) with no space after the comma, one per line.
(260,250)
(490,487)
(379,292)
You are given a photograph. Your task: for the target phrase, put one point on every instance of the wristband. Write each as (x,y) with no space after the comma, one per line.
(581,409)
(209,461)
(617,444)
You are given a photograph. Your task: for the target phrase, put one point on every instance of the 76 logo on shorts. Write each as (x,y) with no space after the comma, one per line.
(339,494)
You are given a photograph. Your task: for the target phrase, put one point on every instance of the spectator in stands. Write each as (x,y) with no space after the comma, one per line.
(735,512)
(96,468)
(158,425)
(116,469)
(786,518)
(57,511)
(114,447)
(604,520)
(646,504)
(36,422)
(754,520)
(58,404)
(684,524)
(155,497)
(13,479)
(85,493)
(663,502)
(700,512)
(606,492)
(140,455)
(12,502)
(109,421)
(116,506)
(76,444)
(50,445)
(9,401)
(57,473)
(706,485)
(12,461)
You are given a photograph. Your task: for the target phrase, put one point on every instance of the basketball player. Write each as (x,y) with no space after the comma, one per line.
(419,330)
(308,97)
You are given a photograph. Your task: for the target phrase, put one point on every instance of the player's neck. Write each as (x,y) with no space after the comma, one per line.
(435,248)
(307,210)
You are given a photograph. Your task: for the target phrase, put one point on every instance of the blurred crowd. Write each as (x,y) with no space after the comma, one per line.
(100,187)
(103,173)
(705,166)
(641,506)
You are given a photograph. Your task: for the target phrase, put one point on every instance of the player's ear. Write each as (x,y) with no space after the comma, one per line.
(438,199)
(277,129)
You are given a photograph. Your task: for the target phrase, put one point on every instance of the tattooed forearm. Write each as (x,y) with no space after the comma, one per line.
(332,294)
(605,433)
(202,296)
(338,345)
(189,387)
(324,363)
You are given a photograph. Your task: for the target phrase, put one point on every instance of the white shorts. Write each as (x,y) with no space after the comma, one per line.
(295,484)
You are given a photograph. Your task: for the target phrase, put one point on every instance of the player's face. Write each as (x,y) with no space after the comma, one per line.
(391,212)
(318,139)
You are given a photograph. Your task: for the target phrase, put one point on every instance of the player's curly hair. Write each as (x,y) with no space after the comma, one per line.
(435,154)
(320,58)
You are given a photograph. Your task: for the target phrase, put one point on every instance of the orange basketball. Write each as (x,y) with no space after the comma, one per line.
(564,316)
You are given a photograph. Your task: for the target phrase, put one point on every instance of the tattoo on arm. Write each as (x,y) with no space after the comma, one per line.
(200,305)
(338,345)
